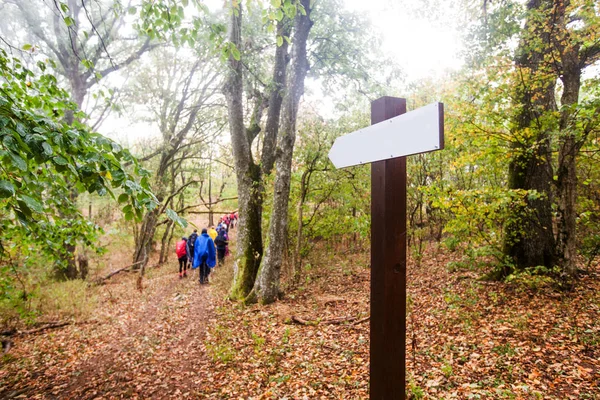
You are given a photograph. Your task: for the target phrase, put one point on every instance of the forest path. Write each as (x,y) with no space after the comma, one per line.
(141,345)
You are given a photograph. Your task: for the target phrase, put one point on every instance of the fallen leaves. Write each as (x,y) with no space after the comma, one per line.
(465,339)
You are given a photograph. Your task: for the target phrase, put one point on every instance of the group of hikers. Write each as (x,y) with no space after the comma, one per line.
(198,251)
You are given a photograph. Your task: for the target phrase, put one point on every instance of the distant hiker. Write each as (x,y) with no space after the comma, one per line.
(182,255)
(226,236)
(232,220)
(212,233)
(191,244)
(221,242)
(204,255)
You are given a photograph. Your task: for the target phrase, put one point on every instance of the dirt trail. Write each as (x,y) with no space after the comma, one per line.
(143,345)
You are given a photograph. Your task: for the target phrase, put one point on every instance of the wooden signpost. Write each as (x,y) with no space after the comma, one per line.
(393,135)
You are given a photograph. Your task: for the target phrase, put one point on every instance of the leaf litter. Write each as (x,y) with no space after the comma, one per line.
(176,339)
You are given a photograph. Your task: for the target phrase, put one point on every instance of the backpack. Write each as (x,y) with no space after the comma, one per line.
(180,250)
(220,242)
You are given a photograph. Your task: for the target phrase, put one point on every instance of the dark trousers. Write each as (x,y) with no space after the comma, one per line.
(204,270)
(221,255)
(182,263)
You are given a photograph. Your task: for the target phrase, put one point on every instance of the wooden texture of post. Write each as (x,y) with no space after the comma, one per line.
(388,265)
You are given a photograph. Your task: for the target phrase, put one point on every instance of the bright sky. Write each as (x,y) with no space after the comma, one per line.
(423,46)
(425,43)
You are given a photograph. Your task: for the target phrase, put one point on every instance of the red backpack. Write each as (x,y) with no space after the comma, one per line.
(180,249)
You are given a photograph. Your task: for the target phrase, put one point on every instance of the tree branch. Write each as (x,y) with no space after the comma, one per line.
(135,56)
(181,188)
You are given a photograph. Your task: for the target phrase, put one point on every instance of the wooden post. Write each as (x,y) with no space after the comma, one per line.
(388,266)
(386,143)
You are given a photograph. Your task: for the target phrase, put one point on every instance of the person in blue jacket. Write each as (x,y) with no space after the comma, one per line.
(204,255)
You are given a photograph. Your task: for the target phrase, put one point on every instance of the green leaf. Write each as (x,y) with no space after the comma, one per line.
(69,21)
(235,53)
(279,40)
(123,198)
(18,162)
(60,160)
(172,215)
(278,15)
(25,213)
(47,148)
(290,10)
(182,222)
(27,47)
(132,10)
(32,203)
(87,63)
(7,189)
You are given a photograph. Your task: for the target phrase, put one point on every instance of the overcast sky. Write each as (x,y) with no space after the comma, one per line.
(422,38)
(424,41)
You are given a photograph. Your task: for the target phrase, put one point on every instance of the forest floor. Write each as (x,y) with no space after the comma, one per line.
(177,339)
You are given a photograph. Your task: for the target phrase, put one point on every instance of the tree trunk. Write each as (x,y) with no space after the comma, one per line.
(284,28)
(164,248)
(143,240)
(569,146)
(71,271)
(299,232)
(83,263)
(211,215)
(529,234)
(266,287)
(249,244)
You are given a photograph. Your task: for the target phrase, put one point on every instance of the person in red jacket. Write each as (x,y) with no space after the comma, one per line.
(182,255)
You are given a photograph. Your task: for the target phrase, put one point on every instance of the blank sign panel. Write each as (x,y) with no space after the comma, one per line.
(418,131)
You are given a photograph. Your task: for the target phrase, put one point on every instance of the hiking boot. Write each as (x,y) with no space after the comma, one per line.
(180,275)
(184,274)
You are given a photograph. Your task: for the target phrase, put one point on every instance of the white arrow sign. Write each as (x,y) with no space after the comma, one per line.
(418,131)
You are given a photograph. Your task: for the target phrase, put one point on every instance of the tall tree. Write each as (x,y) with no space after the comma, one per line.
(281,90)
(85,38)
(44,159)
(530,237)
(181,98)
(266,286)
(577,48)
(82,37)
(558,42)
(248,172)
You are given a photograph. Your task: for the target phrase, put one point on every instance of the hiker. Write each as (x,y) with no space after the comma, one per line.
(212,233)
(182,256)
(221,242)
(232,220)
(226,236)
(190,247)
(224,225)
(204,255)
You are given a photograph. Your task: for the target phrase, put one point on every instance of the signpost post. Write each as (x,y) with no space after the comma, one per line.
(392,136)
